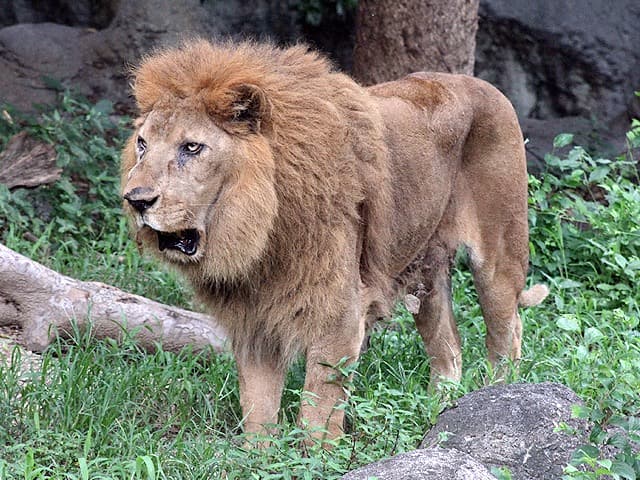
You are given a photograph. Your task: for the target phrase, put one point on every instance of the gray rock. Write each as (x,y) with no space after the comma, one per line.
(513,426)
(86,13)
(7,14)
(573,63)
(557,59)
(94,62)
(30,53)
(426,464)
(587,133)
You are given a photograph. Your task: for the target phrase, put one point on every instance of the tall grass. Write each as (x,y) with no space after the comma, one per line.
(97,410)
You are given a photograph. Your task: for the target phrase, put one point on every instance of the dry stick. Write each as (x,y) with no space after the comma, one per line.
(42,301)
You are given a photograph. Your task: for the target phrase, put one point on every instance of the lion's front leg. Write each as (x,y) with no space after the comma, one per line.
(324,385)
(260,392)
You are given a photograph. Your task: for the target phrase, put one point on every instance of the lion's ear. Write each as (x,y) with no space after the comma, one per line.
(250,108)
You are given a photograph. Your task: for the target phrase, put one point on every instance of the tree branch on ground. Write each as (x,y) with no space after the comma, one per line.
(45,303)
(27,162)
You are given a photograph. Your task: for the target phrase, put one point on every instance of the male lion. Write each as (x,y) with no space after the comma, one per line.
(300,204)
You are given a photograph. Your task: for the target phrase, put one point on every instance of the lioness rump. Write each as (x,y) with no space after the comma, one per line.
(300,205)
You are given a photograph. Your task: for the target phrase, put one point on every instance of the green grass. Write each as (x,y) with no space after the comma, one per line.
(98,410)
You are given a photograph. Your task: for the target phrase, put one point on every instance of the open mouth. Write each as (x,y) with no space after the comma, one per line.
(185,241)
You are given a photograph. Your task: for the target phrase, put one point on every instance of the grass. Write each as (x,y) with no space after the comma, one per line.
(98,410)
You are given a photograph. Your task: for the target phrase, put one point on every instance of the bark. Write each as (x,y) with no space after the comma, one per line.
(397,38)
(44,303)
(26,162)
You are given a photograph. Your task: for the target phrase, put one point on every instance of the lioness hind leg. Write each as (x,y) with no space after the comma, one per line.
(435,320)
(499,278)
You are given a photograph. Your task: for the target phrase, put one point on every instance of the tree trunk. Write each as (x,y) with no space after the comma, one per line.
(397,38)
(43,303)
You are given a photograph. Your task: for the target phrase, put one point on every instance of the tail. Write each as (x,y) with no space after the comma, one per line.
(533,296)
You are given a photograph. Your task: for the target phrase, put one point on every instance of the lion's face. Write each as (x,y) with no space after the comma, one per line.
(198,194)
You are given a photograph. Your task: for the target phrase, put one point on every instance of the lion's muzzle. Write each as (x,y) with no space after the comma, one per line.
(141,199)
(185,241)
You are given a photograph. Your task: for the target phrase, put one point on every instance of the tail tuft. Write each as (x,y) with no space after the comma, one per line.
(533,296)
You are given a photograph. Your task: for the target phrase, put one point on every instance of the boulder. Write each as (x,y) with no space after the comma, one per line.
(513,426)
(575,59)
(86,13)
(92,44)
(425,464)
(36,59)
(557,59)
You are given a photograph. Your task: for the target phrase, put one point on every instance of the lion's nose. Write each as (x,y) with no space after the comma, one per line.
(141,199)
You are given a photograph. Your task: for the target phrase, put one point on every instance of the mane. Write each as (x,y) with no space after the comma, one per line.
(199,66)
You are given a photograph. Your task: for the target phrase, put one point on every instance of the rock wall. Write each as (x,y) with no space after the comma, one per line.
(559,59)
(92,43)
(567,66)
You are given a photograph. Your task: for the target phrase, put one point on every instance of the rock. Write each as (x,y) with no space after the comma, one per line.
(7,16)
(575,59)
(608,142)
(425,464)
(95,62)
(86,13)
(30,53)
(557,59)
(513,426)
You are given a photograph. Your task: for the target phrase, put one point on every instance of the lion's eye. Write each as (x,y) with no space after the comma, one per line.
(191,148)
(141,145)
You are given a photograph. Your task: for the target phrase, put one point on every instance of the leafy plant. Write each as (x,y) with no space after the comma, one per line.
(315,11)
(585,237)
(612,449)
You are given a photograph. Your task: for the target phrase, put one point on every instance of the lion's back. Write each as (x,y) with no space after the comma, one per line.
(444,131)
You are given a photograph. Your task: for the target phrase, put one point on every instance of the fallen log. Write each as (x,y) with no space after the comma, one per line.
(27,162)
(45,303)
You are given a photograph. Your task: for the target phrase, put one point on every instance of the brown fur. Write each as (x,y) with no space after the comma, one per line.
(317,200)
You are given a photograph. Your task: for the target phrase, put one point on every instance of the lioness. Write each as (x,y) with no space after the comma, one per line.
(300,205)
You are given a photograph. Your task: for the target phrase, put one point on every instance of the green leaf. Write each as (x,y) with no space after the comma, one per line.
(620,260)
(582,352)
(52,83)
(84,468)
(562,140)
(592,335)
(551,160)
(598,174)
(586,451)
(606,464)
(148,464)
(569,324)
(104,106)
(623,469)
(502,473)
(568,283)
